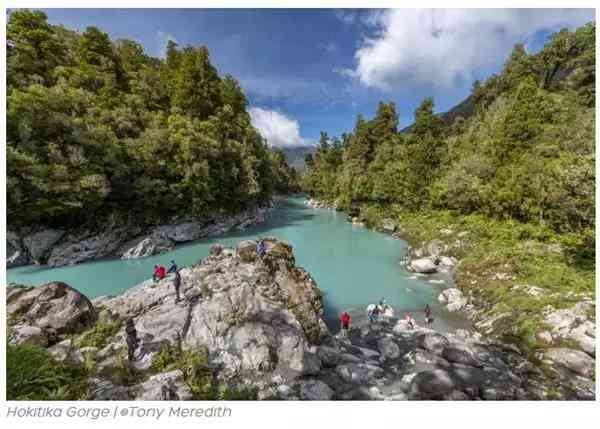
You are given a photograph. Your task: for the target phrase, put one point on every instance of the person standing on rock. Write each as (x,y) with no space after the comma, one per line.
(345,323)
(173,268)
(132,339)
(410,322)
(159,273)
(428,317)
(261,248)
(177,285)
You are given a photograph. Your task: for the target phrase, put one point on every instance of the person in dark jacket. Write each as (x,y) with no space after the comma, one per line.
(428,316)
(261,248)
(173,268)
(131,339)
(177,285)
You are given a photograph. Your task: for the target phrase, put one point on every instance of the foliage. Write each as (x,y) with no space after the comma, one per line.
(527,153)
(96,128)
(32,374)
(99,335)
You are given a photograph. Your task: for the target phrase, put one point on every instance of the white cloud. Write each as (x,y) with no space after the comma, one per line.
(163,38)
(440,46)
(278,129)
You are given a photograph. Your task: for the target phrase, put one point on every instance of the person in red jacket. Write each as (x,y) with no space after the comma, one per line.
(159,272)
(345,323)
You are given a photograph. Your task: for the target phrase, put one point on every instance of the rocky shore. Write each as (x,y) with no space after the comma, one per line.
(257,323)
(58,247)
(564,355)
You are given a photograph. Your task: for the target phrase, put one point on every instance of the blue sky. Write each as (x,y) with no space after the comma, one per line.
(310,70)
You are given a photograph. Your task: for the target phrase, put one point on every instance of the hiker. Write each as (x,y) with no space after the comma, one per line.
(177,284)
(428,317)
(261,248)
(409,321)
(159,273)
(345,323)
(173,268)
(131,339)
(373,313)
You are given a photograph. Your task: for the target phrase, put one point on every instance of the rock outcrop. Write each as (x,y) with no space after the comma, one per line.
(58,248)
(40,243)
(16,253)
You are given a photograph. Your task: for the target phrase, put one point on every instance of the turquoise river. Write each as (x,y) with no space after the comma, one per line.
(353,266)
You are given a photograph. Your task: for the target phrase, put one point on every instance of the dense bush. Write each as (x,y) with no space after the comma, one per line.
(32,375)
(98,129)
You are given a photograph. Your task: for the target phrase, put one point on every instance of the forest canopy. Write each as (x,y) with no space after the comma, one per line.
(97,129)
(526,153)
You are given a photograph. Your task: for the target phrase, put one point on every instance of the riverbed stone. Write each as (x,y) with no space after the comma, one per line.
(423,265)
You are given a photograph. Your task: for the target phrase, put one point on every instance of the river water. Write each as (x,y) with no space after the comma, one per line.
(353,266)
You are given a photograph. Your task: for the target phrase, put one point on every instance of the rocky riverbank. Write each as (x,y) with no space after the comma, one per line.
(58,247)
(560,336)
(252,327)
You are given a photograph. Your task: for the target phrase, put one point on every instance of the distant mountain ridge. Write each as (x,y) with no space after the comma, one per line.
(294,155)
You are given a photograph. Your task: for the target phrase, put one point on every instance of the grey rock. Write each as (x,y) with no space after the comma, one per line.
(315,390)
(423,265)
(149,246)
(92,247)
(433,342)
(54,307)
(453,298)
(106,390)
(388,348)
(27,334)
(575,360)
(166,386)
(388,225)
(39,243)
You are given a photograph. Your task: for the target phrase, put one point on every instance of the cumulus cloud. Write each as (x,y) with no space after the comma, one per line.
(163,38)
(278,129)
(442,46)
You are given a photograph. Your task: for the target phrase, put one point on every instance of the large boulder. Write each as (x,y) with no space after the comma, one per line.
(575,360)
(432,341)
(40,243)
(55,308)
(423,266)
(315,390)
(149,246)
(453,298)
(573,324)
(435,384)
(388,225)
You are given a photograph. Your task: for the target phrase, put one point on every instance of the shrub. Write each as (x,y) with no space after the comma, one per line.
(32,374)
